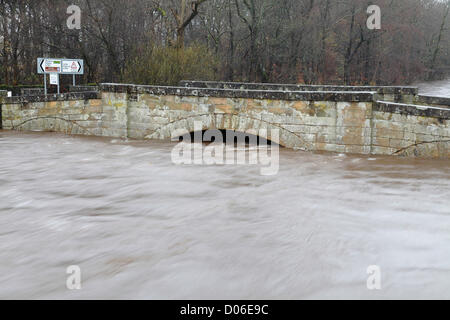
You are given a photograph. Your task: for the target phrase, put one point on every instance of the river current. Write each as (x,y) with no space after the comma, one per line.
(139,226)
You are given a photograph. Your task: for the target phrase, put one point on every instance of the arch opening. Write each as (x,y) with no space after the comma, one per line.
(234,123)
(228,137)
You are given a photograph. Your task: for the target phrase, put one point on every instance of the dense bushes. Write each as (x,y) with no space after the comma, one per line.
(169,65)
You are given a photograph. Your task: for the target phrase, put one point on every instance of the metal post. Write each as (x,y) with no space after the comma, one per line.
(45,83)
(58,82)
(74,81)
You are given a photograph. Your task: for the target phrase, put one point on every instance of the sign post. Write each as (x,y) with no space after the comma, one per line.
(55,67)
(45,83)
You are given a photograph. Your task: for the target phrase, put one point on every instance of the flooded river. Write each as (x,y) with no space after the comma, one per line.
(139,226)
(439,88)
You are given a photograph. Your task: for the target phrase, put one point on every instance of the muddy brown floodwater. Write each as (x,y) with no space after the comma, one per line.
(439,88)
(139,226)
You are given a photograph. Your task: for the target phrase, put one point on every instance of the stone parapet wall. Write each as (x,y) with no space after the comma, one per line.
(68,113)
(387,93)
(411,130)
(32,91)
(336,121)
(80,88)
(413,109)
(52,97)
(134,90)
(434,101)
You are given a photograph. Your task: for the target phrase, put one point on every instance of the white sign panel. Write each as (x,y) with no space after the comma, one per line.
(70,66)
(51,65)
(54,79)
(62,66)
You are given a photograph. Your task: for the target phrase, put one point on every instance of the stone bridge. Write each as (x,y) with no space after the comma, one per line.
(361,120)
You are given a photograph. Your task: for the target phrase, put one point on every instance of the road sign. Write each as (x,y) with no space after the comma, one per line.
(55,67)
(61,66)
(54,79)
(51,65)
(72,66)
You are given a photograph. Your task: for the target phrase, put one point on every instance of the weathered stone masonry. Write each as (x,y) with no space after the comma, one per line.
(362,120)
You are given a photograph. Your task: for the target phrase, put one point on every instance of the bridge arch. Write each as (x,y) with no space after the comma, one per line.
(52,124)
(232,122)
